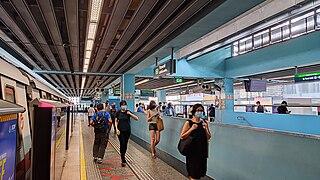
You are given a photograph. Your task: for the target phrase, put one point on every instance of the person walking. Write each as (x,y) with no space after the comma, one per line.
(198,129)
(91,112)
(100,123)
(113,112)
(123,129)
(153,115)
(58,114)
(212,113)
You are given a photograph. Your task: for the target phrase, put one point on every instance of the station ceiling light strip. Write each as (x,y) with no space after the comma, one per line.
(95,12)
(141,82)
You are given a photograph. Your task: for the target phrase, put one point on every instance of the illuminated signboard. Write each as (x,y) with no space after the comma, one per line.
(165,68)
(146,93)
(178,80)
(307,77)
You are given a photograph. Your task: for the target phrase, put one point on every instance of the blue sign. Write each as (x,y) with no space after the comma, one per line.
(8,135)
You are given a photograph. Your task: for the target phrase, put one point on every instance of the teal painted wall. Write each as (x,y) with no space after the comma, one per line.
(301,51)
(211,65)
(243,154)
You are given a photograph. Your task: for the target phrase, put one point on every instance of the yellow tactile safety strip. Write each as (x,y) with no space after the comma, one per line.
(59,140)
(83,173)
(8,117)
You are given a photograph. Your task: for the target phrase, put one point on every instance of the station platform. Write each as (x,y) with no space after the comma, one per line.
(77,162)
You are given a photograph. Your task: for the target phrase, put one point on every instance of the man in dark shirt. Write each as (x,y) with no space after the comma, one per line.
(282,109)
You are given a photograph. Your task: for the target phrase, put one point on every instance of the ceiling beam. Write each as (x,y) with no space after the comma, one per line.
(75,73)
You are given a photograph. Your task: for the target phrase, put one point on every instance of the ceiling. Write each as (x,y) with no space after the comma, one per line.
(50,35)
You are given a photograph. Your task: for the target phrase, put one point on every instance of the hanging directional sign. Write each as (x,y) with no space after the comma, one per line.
(165,68)
(315,76)
(178,80)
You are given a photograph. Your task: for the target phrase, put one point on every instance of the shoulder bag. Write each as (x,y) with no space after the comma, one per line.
(160,125)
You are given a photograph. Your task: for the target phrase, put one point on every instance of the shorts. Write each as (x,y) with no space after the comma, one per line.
(153,126)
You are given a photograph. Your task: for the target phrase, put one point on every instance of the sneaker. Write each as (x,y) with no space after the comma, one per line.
(95,159)
(99,161)
(123,164)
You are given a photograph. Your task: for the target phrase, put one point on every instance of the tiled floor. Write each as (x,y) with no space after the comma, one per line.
(140,164)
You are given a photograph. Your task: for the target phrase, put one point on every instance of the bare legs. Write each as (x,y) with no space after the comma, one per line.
(155,139)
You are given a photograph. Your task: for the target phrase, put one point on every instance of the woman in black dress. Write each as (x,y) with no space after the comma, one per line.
(123,129)
(198,129)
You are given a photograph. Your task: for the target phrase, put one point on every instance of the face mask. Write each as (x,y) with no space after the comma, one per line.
(124,107)
(199,115)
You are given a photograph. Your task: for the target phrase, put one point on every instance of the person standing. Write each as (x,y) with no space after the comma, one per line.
(100,123)
(58,114)
(282,109)
(260,108)
(198,129)
(91,112)
(152,116)
(140,108)
(169,111)
(123,129)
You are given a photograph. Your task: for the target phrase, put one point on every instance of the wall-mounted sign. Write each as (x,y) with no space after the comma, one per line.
(178,80)
(315,76)
(117,92)
(146,93)
(166,68)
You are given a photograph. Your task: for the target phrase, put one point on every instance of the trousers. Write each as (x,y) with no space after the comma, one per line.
(124,138)
(100,143)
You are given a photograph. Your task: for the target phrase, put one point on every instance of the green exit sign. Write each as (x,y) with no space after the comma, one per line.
(178,80)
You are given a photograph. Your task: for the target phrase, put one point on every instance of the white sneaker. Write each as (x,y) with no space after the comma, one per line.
(99,160)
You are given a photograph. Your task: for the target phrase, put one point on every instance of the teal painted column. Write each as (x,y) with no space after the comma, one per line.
(228,90)
(127,89)
(161,95)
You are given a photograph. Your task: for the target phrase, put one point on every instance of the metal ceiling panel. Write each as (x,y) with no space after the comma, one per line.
(160,17)
(116,17)
(48,14)
(134,24)
(168,29)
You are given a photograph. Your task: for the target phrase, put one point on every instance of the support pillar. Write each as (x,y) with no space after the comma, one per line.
(161,96)
(228,91)
(128,89)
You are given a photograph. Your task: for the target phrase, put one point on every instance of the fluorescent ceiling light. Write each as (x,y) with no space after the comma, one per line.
(92,30)
(88,54)
(95,10)
(141,82)
(174,85)
(86,61)
(89,45)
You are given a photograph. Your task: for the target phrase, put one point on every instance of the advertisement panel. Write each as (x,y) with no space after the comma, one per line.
(53,143)
(8,136)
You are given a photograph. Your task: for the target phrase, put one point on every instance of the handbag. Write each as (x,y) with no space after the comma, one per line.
(160,125)
(185,146)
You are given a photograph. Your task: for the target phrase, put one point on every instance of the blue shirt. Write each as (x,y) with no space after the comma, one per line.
(100,113)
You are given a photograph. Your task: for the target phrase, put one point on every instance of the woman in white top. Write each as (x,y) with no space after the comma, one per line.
(91,112)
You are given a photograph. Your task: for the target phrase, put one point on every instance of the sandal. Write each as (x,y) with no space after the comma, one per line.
(153,156)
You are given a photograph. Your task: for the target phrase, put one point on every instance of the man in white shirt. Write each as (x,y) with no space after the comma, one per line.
(91,112)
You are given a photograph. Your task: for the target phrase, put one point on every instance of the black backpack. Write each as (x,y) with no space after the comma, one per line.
(99,124)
